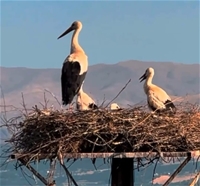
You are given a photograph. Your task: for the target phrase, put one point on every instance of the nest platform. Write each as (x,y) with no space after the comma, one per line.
(44,134)
(124,136)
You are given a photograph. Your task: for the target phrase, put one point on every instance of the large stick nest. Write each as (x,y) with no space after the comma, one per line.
(127,130)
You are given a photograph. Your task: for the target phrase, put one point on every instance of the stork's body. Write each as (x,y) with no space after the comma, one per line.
(157,98)
(75,66)
(84,101)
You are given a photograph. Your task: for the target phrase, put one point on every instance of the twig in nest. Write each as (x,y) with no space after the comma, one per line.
(4,101)
(45,105)
(118,93)
(69,174)
(53,96)
(23,103)
(45,101)
(154,169)
(93,162)
(51,171)
(104,100)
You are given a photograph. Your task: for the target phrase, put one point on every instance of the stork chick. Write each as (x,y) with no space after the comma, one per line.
(157,98)
(115,106)
(84,101)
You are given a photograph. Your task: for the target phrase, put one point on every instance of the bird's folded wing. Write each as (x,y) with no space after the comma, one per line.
(155,100)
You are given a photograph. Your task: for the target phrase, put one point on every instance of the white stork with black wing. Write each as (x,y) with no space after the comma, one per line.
(157,98)
(75,66)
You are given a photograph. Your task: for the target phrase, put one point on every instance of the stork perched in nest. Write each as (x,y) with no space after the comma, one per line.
(157,98)
(84,101)
(75,66)
(115,106)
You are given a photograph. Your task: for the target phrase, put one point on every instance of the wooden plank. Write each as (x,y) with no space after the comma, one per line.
(68,174)
(178,170)
(195,180)
(51,172)
(116,155)
(122,172)
(37,174)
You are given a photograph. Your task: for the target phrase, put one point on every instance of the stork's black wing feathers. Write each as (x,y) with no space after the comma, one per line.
(71,81)
(170,106)
(93,106)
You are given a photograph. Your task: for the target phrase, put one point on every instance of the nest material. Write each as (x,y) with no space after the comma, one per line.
(126,130)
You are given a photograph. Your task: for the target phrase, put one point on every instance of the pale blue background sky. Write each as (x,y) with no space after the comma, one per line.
(112,31)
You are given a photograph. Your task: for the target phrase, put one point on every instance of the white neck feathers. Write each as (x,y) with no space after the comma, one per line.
(148,83)
(74,42)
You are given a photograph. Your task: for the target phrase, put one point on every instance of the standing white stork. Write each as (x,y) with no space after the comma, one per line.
(157,98)
(84,101)
(75,66)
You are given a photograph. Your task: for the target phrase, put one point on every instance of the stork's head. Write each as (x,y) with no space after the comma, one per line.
(114,106)
(74,26)
(149,72)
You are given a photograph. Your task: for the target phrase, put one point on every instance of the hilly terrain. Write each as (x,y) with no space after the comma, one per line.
(181,81)
(103,81)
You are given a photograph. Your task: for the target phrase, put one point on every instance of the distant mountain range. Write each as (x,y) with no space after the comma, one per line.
(103,81)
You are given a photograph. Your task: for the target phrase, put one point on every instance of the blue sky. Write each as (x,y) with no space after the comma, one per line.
(112,31)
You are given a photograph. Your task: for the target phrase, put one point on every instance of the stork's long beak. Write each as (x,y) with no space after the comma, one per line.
(143,77)
(66,32)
